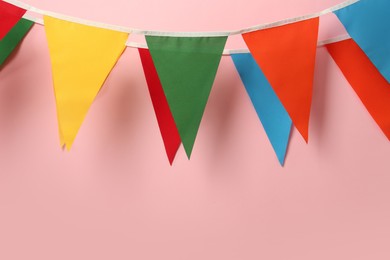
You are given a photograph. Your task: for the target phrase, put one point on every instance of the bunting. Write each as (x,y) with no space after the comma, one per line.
(9,17)
(164,116)
(286,55)
(180,68)
(367,22)
(371,87)
(186,67)
(82,57)
(273,116)
(13,38)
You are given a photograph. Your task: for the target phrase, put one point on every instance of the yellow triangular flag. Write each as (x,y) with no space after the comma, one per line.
(82,57)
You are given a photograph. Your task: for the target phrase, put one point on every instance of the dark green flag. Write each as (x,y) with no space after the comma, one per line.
(186,67)
(13,38)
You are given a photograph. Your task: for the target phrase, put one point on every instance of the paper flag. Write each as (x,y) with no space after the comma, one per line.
(9,16)
(82,57)
(186,67)
(286,55)
(13,38)
(164,116)
(371,87)
(367,22)
(273,116)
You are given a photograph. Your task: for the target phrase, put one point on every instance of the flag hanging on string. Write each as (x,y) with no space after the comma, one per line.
(180,71)
(286,55)
(273,116)
(371,87)
(9,17)
(186,67)
(367,22)
(82,57)
(13,38)
(168,129)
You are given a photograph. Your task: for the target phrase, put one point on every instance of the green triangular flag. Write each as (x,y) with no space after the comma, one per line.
(13,38)
(186,67)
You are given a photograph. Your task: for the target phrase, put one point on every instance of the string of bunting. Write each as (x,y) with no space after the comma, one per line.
(277,69)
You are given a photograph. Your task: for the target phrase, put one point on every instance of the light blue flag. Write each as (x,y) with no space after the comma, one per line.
(368,23)
(273,116)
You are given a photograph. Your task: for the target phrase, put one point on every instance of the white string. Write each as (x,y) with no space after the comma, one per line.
(333,40)
(295,19)
(179,34)
(33,19)
(226,52)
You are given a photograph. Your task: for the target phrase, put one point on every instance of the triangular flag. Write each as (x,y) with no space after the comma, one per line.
(82,57)
(371,87)
(273,116)
(13,38)
(9,16)
(286,55)
(164,116)
(367,22)
(186,67)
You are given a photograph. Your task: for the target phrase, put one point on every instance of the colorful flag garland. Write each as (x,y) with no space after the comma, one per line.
(180,69)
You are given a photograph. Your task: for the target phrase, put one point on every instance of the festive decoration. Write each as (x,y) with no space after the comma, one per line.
(81,57)
(371,87)
(367,21)
(164,116)
(180,68)
(13,38)
(286,55)
(9,16)
(273,116)
(186,67)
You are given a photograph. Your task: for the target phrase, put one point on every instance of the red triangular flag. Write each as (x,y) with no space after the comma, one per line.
(9,16)
(368,83)
(165,120)
(286,55)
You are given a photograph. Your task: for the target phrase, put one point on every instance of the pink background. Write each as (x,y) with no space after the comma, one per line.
(114,196)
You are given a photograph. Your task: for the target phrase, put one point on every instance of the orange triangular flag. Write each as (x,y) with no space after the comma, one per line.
(286,55)
(368,83)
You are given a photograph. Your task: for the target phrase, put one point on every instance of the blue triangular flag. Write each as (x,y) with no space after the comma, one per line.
(367,22)
(272,114)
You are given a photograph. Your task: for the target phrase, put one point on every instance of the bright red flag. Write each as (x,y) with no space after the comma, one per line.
(9,16)
(165,120)
(368,83)
(286,55)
